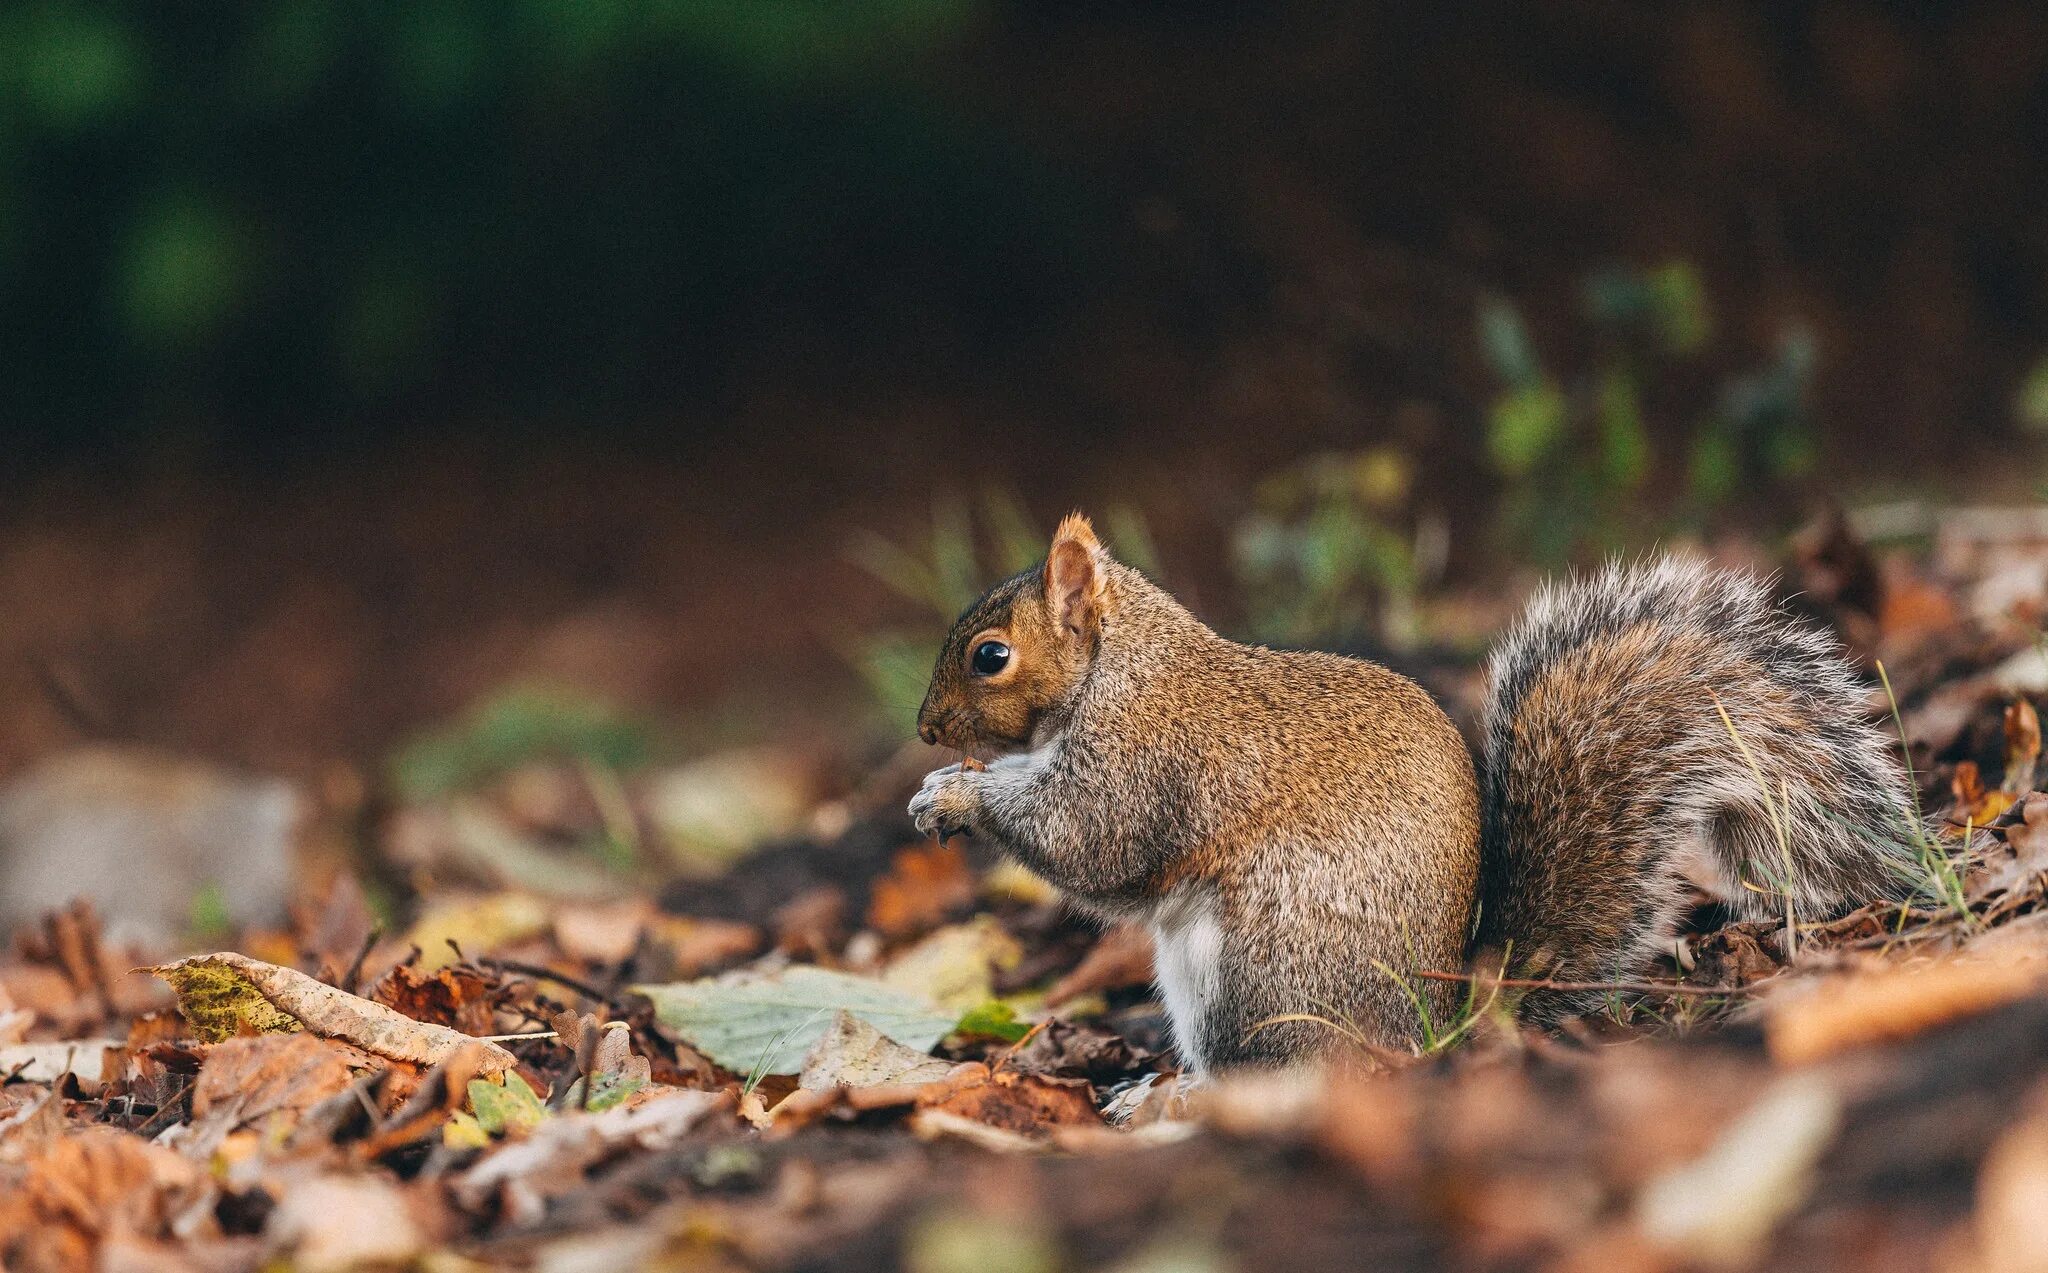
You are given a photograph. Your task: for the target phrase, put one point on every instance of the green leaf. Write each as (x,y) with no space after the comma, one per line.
(183,272)
(608,1091)
(1678,300)
(1624,443)
(506,1107)
(765,1022)
(992,1020)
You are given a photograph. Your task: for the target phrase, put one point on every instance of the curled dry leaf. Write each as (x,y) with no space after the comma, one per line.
(457,997)
(223,995)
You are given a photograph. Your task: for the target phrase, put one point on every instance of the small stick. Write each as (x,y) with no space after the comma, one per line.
(1602,987)
(535,970)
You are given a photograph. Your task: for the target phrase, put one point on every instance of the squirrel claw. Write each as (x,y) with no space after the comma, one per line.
(941,808)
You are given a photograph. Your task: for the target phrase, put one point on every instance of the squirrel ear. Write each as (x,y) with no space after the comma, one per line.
(1073,575)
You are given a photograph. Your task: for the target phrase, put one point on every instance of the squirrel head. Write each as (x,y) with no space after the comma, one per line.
(1020,652)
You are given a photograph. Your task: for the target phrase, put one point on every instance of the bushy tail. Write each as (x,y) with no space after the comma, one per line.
(1667,723)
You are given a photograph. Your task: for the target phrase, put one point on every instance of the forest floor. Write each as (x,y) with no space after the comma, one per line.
(523,1035)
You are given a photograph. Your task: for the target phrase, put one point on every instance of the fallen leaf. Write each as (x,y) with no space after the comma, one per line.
(457,997)
(812,924)
(1063,1049)
(223,995)
(852,1053)
(509,1105)
(245,1080)
(331,1224)
(478,927)
(1975,805)
(993,1019)
(753,1022)
(80,1188)
(1025,1104)
(603,933)
(925,886)
(524,1174)
(1881,1007)
(955,967)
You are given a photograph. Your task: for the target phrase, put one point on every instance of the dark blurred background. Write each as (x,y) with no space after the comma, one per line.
(362,361)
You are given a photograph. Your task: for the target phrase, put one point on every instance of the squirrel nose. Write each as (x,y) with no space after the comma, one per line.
(929,732)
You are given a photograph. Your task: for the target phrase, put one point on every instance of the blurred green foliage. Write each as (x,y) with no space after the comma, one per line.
(1325,554)
(517,726)
(303,206)
(1575,452)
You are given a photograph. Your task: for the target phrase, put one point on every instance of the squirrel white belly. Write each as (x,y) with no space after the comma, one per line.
(1305,831)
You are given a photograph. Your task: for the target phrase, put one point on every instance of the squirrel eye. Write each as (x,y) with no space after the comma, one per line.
(990,658)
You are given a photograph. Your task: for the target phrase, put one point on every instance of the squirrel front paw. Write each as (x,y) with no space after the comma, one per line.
(947,802)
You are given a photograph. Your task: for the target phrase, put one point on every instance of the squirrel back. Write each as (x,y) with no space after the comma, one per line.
(1665,725)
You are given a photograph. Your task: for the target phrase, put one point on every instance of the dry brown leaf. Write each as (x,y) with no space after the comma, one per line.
(926,885)
(1122,958)
(458,997)
(84,1186)
(1975,805)
(1883,1007)
(226,994)
(811,924)
(1024,1104)
(245,1080)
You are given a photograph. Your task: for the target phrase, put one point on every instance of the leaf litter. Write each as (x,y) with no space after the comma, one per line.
(851,1049)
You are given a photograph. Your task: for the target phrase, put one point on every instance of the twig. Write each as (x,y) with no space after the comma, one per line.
(583,988)
(1600,987)
(1018,1046)
(168,1107)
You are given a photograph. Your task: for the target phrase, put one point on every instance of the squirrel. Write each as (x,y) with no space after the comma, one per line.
(1304,831)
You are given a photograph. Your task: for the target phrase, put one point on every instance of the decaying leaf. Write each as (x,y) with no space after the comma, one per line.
(852,1053)
(554,1157)
(223,995)
(752,1022)
(457,997)
(243,1080)
(508,1106)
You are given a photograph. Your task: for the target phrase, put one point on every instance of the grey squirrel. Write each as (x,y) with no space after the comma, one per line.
(1304,831)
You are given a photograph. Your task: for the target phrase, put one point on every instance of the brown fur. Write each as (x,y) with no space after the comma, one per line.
(1303,831)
